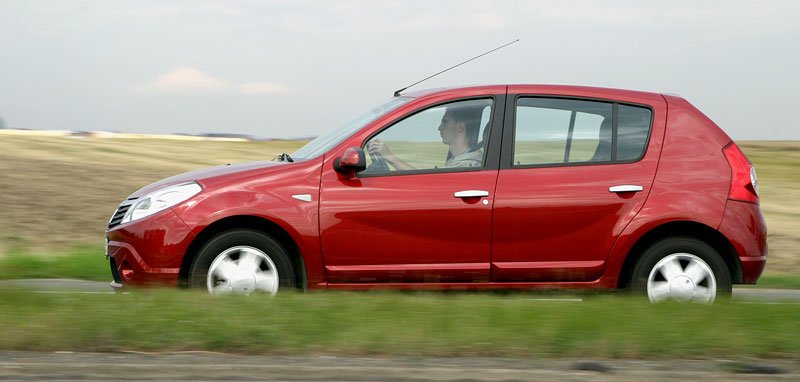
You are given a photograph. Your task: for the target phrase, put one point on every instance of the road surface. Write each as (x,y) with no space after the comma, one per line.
(67,366)
(741,294)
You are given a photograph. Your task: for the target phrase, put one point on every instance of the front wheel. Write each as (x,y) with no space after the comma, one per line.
(681,269)
(242,262)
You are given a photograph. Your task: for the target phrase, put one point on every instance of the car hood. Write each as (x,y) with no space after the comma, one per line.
(206,173)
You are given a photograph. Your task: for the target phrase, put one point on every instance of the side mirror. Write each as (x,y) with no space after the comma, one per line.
(352,161)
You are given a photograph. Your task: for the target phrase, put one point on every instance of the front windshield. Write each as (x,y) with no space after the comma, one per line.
(332,138)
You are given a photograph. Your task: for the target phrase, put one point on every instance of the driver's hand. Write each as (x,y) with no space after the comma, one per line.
(378,147)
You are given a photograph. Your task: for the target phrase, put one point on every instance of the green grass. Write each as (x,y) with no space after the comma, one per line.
(418,324)
(779,281)
(88,263)
(85,263)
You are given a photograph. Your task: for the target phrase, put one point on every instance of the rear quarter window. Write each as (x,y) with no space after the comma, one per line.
(633,128)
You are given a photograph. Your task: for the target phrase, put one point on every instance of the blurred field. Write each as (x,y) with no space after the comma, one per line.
(778,167)
(418,325)
(57,193)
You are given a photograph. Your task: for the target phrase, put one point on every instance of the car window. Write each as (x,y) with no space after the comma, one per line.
(559,131)
(442,137)
(633,127)
(325,142)
(549,131)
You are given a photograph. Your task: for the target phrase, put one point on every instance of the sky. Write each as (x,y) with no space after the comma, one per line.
(289,69)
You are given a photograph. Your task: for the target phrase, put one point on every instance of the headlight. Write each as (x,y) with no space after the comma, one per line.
(160,200)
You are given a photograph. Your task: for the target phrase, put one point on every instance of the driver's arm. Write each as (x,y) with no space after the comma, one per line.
(378,147)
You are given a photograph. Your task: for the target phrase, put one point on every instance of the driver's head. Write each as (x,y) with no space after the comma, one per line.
(461,122)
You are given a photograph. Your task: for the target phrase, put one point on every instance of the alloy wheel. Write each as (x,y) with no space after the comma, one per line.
(242,270)
(682,277)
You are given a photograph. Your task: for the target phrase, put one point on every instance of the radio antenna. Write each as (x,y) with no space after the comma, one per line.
(397,92)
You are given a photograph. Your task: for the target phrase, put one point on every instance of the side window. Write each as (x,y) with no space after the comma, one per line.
(452,135)
(633,127)
(559,131)
(552,131)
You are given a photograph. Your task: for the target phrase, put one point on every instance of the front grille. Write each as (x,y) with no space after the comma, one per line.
(116,219)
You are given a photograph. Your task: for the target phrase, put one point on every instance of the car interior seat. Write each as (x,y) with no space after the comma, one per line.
(603,151)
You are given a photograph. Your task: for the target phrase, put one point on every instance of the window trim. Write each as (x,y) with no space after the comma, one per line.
(491,156)
(572,116)
(509,141)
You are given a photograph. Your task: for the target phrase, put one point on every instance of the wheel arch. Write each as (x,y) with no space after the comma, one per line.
(682,228)
(256,223)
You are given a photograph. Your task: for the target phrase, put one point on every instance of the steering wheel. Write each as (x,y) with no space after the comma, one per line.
(378,164)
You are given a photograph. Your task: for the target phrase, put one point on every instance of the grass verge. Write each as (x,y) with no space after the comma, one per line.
(85,263)
(778,281)
(88,263)
(418,324)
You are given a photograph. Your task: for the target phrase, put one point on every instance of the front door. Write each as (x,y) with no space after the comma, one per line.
(422,211)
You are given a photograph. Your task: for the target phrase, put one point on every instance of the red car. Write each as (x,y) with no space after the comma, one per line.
(508,186)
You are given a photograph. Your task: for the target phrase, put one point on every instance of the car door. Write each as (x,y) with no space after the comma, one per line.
(575,170)
(423,223)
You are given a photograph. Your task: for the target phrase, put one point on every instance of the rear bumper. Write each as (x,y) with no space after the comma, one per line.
(752,267)
(744,225)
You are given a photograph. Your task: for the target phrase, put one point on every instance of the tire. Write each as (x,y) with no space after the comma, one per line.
(242,261)
(682,269)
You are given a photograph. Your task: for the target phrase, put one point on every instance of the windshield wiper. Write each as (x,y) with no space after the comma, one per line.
(285,158)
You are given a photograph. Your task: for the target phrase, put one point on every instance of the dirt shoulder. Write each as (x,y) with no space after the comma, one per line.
(24,366)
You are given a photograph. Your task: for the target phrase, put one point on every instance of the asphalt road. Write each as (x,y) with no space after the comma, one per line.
(67,366)
(744,294)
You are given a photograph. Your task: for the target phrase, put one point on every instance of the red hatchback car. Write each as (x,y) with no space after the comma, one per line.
(508,186)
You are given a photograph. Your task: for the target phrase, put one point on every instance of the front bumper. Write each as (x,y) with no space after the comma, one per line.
(116,279)
(149,251)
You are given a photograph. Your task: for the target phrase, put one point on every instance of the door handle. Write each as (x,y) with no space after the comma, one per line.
(471,194)
(625,188)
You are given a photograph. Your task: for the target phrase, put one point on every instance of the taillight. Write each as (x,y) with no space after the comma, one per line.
(744,183)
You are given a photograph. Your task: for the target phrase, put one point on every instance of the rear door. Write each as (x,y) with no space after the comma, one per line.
(575,170)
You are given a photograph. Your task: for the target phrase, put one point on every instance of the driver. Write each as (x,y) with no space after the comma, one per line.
(459,131)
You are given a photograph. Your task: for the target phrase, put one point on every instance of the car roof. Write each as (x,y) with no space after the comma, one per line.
(599,92)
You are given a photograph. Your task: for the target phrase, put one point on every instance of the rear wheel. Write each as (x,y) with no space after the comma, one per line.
(681,269)
(242,261)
